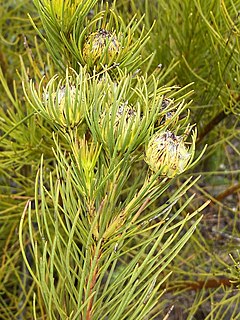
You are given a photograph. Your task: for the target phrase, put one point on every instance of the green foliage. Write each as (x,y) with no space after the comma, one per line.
(90,229)
(202,37)
(66,38)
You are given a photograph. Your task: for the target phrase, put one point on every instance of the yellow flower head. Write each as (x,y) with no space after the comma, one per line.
(101,46)
(168,152)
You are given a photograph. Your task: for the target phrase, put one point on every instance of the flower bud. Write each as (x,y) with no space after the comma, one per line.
(63,107)
(168,116)
(62,8)
(125,110)
(168,152)
(119,125)
(100,46)
(125,113)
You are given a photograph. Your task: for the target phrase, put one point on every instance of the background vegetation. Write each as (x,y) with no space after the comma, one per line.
(189,260)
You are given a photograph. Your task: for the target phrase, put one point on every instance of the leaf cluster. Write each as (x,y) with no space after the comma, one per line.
(100,235)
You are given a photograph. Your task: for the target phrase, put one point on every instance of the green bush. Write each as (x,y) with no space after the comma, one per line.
(119,159)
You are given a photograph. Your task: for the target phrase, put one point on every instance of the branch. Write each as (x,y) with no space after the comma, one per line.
(209,127)
(228,192)
(92,285)
(200,284)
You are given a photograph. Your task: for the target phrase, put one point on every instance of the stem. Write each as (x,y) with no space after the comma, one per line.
(3,63)
(200,284)
(209,284)
(228,192)
(93,282)
(92,285)
(211,125)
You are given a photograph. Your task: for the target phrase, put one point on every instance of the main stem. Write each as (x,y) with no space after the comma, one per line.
(92,285)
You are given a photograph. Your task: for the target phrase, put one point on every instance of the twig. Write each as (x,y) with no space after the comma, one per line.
(228,192)
(15,197)
(92,285)
(215,121)
(200,284)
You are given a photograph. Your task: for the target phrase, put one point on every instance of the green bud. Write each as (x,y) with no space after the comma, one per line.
(121,124)
(62,106)
(168,152)
(101,46)
(62,8)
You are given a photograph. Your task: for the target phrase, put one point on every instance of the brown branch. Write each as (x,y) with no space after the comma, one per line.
(3,63)
(90,305)
(200,284)
(92,285)
(228,192)
(209,284)
(209,127)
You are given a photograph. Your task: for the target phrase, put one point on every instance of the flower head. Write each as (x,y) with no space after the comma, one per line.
(125,113)
(62,106)
(101,46)
(168,152)
(119,124)
(125,110)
